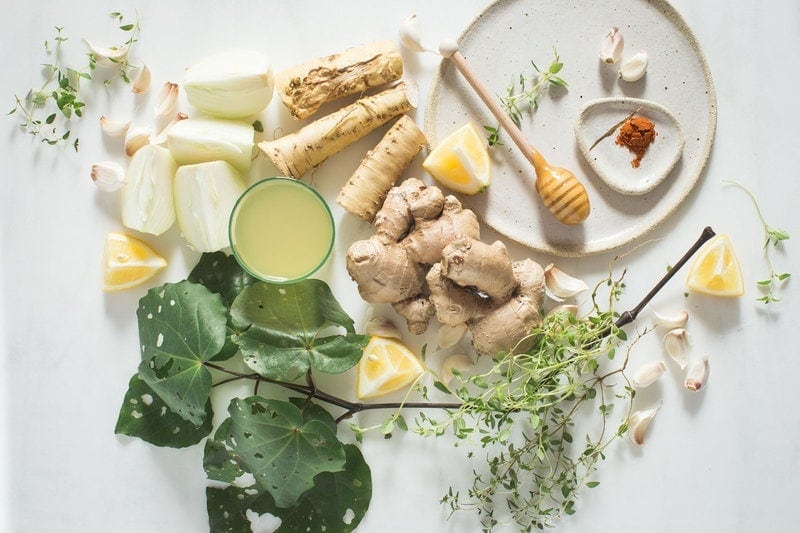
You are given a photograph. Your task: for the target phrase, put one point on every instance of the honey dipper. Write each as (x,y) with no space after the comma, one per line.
(560,190)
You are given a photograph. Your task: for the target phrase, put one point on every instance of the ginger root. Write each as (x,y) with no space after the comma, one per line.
(365,191)
(296,153)
(426,259)
(305,87)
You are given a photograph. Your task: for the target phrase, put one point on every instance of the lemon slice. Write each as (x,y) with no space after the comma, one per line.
(387,365)
(128,262)
(715,269)
(461,161)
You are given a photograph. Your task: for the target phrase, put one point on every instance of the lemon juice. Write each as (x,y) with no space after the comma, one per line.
(281,230)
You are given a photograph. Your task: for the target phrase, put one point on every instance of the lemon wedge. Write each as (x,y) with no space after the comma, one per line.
(461,161)
(715,269)
(387,365)
(128,262)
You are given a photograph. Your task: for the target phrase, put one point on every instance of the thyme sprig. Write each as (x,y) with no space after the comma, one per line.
(530,88)
(47,110)
(773,237)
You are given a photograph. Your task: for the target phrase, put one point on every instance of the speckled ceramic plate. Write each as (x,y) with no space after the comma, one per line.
(501,43)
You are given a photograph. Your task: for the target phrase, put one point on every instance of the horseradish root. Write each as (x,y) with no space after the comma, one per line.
(365,191)
(298,152)
(305,87)
(425,259)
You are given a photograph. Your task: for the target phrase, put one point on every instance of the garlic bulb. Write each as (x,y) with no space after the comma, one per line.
(697,375)
(410,36)
(382,327)
(561,285)
(678,320)
(448,336)
(458,362)
(114,128)
(234,84)
(199,140)
(633,68)
(167,100)
(135,138)
(141,83)
(205,194)
(108,176)
(105,56)
(648,374)
(675,342)
(147,197)
(638,424)
(611,47)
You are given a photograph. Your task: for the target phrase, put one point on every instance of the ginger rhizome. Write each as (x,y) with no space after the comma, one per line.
(305,87)
(426,259)
(298,152)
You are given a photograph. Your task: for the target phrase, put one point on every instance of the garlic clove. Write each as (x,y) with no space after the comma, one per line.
(107,56)
(697,375)
(108,176)
(565,308)
(678,320)
(161,137)
(648,374)
(633,68)
(638,424)
(676,344)
(382,327)
(611,47)
(561,285)
(141,83)
(458,362)
(114,128)
(410,36)
(448,336)
(167,100)
(135,138)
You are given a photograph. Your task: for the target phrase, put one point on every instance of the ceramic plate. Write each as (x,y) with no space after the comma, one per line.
(501,43)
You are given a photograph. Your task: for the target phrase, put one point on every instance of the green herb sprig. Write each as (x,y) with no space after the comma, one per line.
(773,237)
(47,110)
(530,88)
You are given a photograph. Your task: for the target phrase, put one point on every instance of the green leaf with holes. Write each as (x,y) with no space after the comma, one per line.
(284,452)
(222,274)
(144,415)
(286,329)
(181,325)
(336,502)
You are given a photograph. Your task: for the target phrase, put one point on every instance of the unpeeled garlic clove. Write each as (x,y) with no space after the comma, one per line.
(678,320)
(161,137)
(561,285)
(697,375)
(633,68)
(638,424)
(675,342)
(141,83)
(611,47)
(410,36)
(648,374)
(448,336)
(382,327)
(108,176)
(114,128)
(107,56)
(135,138)
(565,308)
(167,100)
(458,362)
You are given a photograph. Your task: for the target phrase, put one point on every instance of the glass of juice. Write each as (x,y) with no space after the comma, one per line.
(281,230)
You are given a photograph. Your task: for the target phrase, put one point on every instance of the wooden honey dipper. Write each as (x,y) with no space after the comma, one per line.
(560,190)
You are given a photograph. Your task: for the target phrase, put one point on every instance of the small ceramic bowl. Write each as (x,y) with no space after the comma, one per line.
(612,162)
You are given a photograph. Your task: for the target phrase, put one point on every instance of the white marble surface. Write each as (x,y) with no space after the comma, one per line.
(723,460)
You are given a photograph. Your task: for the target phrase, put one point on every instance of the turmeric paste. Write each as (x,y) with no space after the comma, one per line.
(636,134)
